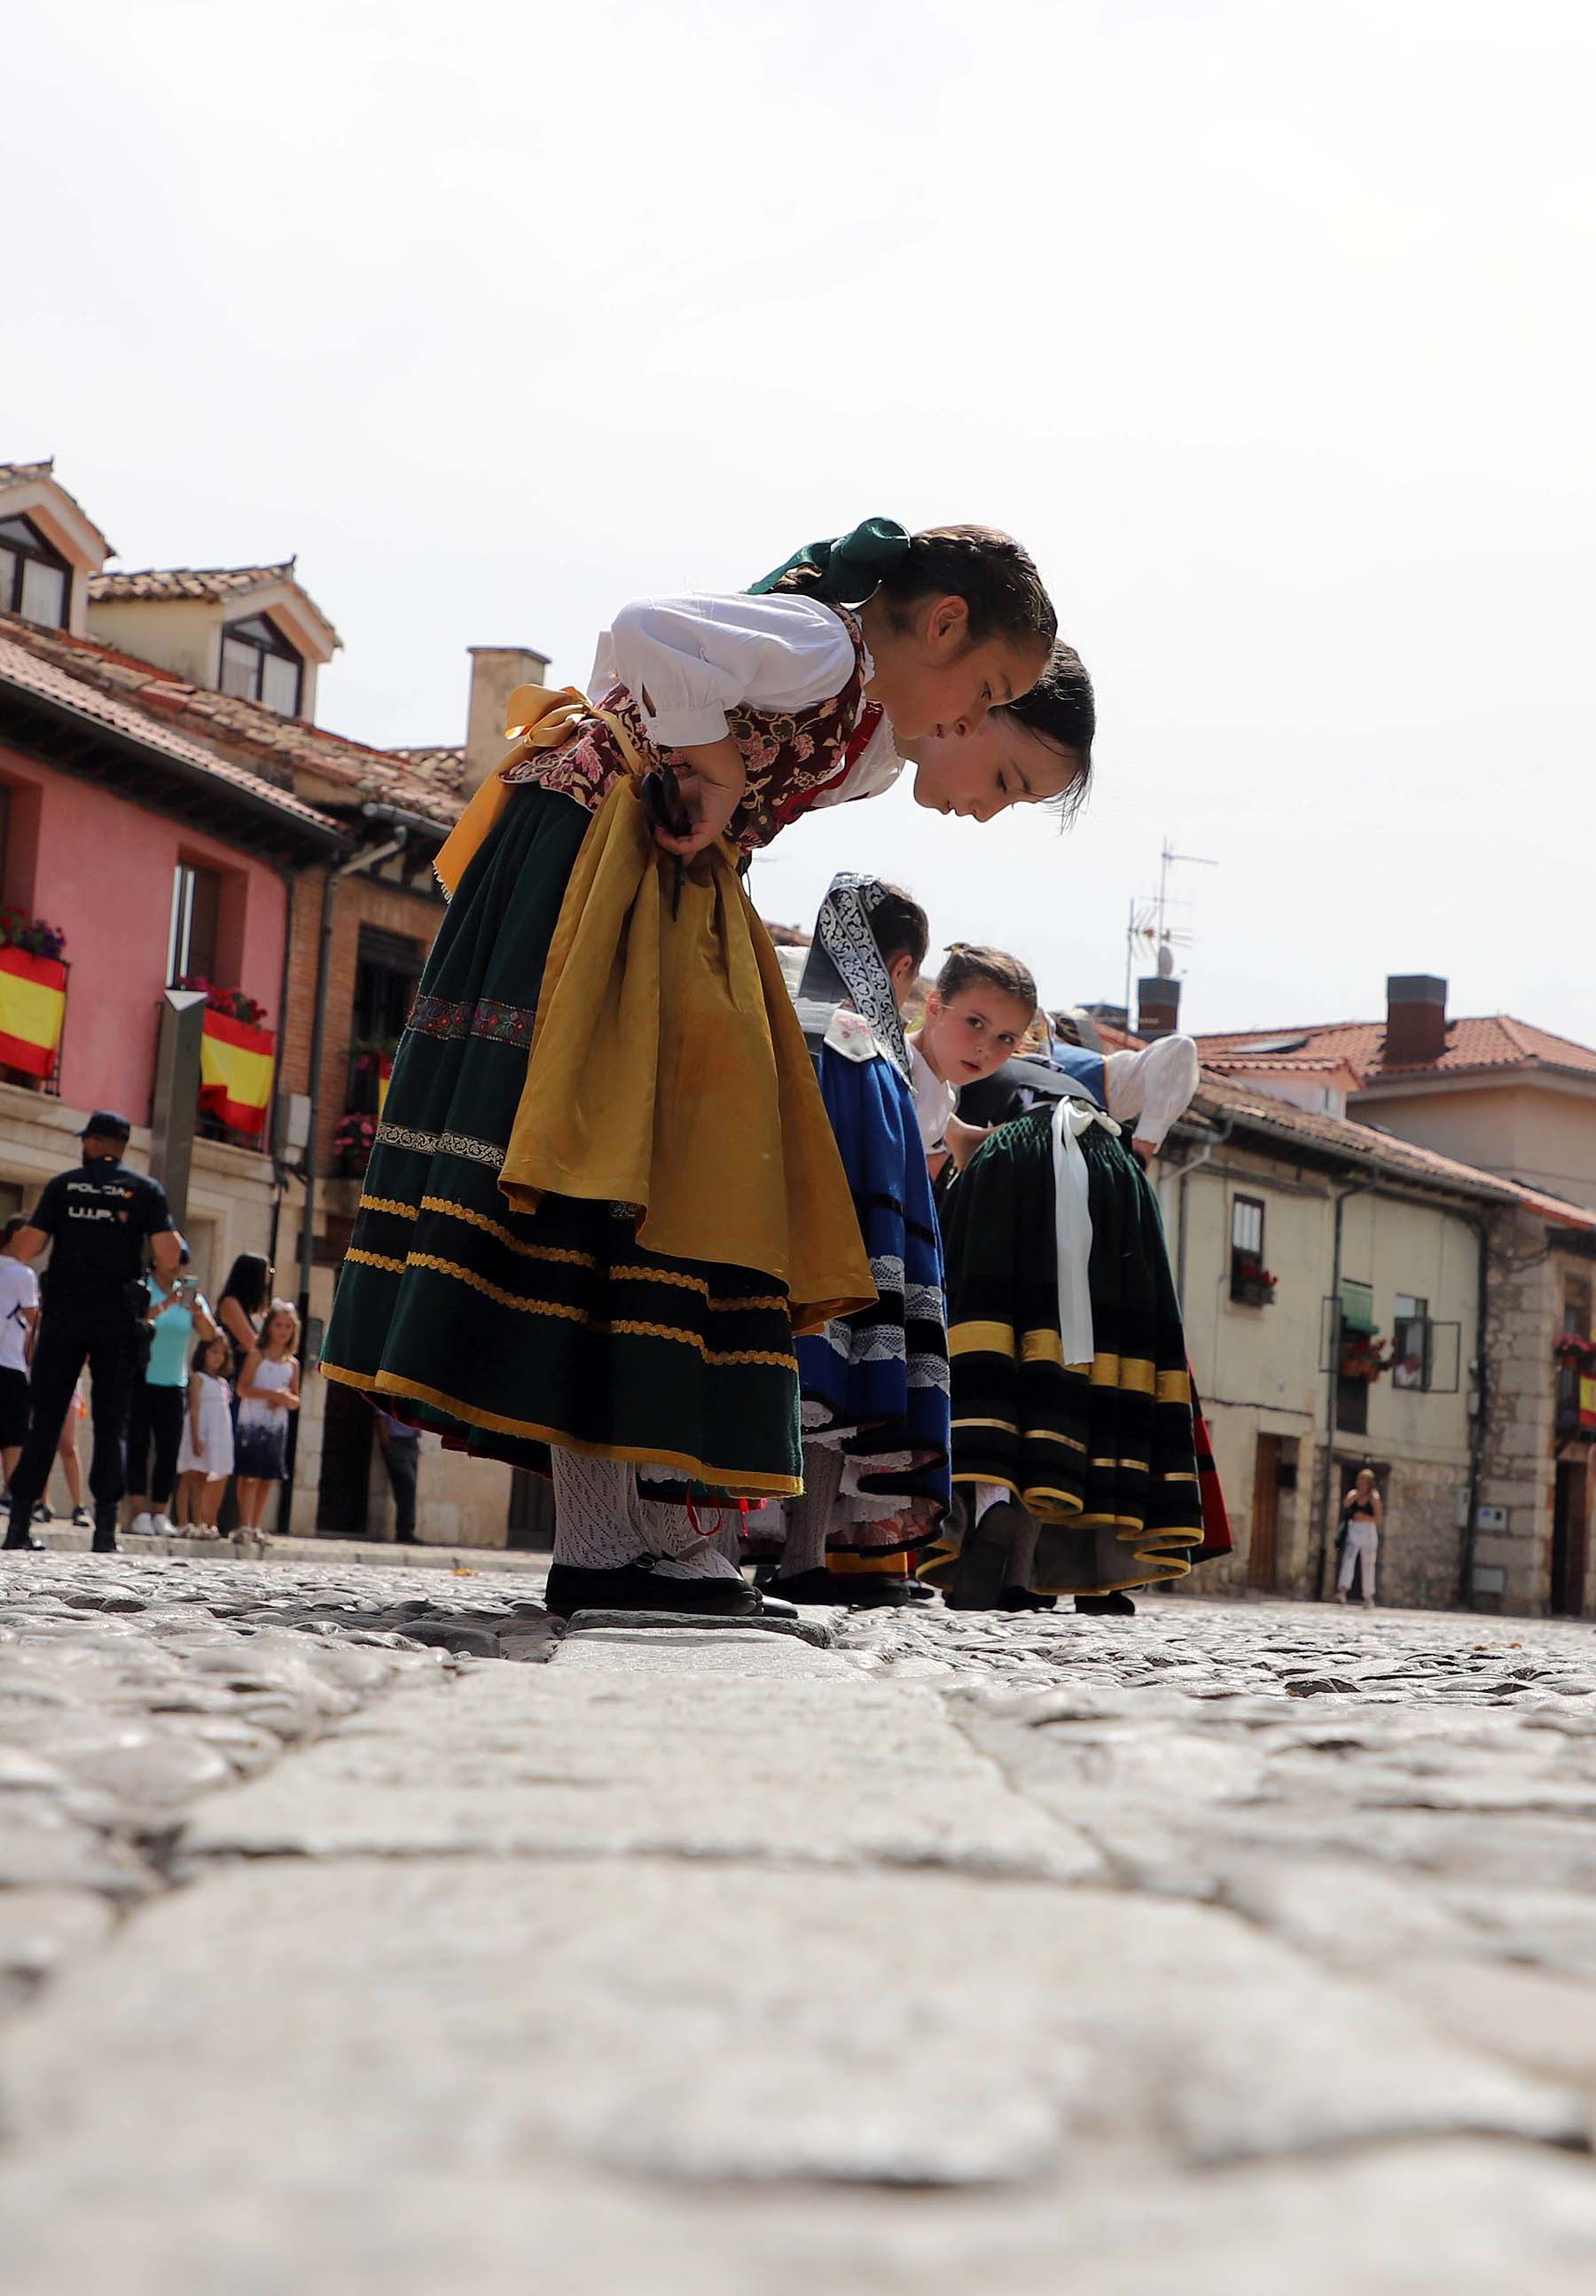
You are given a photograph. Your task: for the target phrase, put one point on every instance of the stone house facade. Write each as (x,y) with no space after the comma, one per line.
(179,705)
(1302,1242)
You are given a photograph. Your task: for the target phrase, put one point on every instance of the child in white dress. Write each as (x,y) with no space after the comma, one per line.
(205,1458)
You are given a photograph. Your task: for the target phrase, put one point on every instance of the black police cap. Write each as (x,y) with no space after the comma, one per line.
(105,1123)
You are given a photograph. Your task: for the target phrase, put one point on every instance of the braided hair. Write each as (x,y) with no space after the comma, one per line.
(995,576)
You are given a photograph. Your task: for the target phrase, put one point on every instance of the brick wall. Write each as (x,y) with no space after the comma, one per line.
(359,901)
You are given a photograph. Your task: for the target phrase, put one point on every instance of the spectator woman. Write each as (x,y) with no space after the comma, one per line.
(242,1304)
(177,1318)
(1362,1515)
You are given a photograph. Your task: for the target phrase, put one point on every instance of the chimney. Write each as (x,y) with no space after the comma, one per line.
(1158,1006)
(1415,1020)
(496,673)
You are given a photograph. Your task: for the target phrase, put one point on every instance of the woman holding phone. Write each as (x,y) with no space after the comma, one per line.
(177,1318)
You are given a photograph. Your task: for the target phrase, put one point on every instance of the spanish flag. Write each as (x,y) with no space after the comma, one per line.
(385,1069)
(235,1072)
(33,1008)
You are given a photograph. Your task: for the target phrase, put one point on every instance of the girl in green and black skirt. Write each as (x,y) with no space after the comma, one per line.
(604,1192)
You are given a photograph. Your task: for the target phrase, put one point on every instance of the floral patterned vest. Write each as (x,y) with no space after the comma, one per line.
(791,756)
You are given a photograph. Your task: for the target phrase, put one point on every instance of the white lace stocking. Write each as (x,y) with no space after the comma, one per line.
(809,1515)
(593,1501)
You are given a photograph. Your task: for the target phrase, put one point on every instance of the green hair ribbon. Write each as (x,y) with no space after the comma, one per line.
(850,565)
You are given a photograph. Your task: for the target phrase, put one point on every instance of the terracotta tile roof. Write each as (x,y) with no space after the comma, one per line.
(190,581)
(1279,1064)
(267,746)
(440,766)
(1220,1097)
(1494,1041)
(22,667)
(24,474)
(208,582)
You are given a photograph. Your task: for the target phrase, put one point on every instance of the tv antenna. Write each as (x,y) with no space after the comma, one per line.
(1149,929)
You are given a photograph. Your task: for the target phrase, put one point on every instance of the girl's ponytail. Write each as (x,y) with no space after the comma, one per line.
(995,575)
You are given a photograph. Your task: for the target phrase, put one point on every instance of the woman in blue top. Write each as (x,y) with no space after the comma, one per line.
(177,1318)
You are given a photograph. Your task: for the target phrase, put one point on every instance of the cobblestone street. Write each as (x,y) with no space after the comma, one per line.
(362,1930)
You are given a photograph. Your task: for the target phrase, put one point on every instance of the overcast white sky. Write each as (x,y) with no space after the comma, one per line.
(1268,326)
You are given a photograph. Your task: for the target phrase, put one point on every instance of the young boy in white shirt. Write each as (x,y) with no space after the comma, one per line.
(19,1313)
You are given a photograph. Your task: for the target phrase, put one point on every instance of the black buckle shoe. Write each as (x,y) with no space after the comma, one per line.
(875,1591)
(636,1588)
(810,1587)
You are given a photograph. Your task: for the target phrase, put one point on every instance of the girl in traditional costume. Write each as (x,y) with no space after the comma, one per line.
(873,1385)
(1073,1443)
(1075,1429)
(605,1193)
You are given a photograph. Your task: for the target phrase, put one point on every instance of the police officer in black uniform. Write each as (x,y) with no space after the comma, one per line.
(99,1219)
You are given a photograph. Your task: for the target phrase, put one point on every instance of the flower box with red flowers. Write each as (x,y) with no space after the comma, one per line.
(1252,1285)
(353,1139)
(1363,1358)
(32,935)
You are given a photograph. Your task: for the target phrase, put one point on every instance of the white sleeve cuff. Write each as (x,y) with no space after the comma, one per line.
(685,729)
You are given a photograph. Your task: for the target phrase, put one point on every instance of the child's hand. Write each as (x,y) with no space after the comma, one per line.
(965,1139)
(709,789)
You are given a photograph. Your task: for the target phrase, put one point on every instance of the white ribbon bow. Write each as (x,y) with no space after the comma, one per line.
(1072,1225)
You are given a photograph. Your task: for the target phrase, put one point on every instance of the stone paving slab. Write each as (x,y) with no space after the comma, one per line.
(1471,2217)
(129,1688)
(604,1752)
(1233,1949)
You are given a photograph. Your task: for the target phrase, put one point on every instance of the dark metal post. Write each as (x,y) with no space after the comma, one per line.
(1482,1415)
(1327,1493)
(177,1095)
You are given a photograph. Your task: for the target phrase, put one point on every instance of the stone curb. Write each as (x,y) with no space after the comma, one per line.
(815,1631)
(384,1553)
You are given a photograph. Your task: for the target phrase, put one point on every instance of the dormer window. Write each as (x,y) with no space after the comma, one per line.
(35,581)
(260,665)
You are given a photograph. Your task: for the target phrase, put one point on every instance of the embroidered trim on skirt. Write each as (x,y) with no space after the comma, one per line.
(1102,1452)
(505,1330)
(876,1382)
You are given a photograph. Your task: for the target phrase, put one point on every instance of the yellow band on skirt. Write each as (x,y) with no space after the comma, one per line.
(667,1067)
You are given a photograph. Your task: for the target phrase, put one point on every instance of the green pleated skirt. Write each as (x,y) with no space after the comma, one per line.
(508,1332)
(1102,1452)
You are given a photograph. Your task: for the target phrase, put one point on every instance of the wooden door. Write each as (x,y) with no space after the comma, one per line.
(1261,1560)
(1568,1541)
